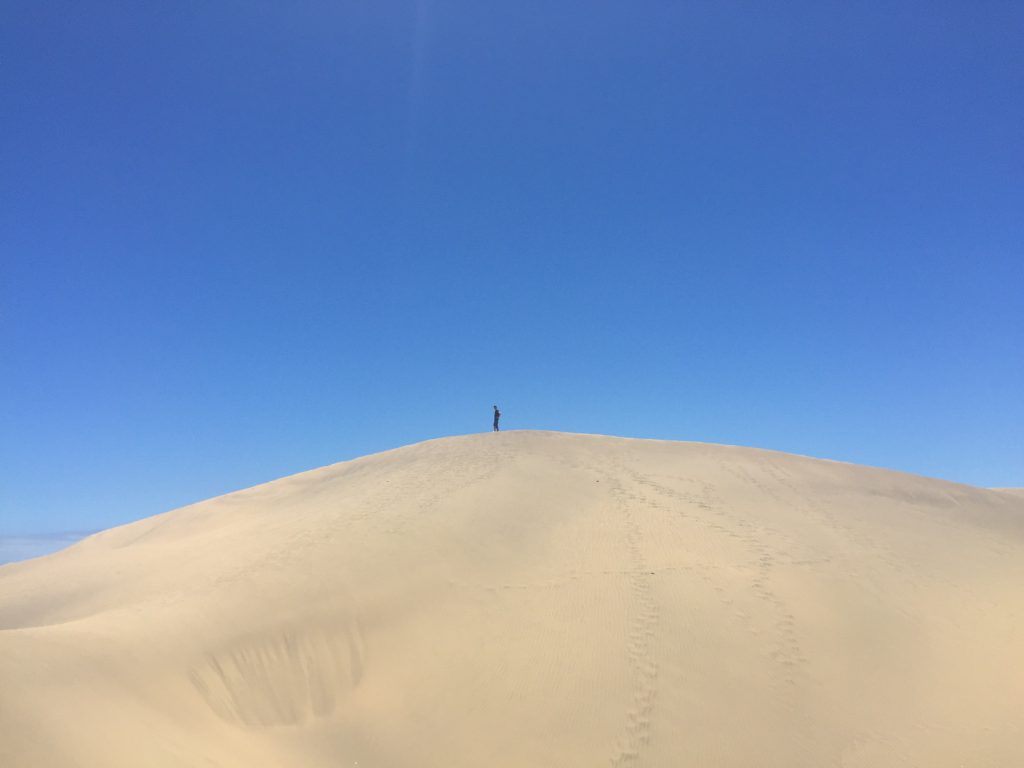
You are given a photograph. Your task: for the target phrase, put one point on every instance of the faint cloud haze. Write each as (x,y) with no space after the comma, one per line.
(26,546)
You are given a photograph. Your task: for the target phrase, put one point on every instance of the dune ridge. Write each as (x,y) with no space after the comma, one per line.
(532,599)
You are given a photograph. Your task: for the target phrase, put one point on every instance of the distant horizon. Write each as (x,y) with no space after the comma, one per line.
(17,546)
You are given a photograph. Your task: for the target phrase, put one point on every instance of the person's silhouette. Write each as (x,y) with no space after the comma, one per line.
(497,415)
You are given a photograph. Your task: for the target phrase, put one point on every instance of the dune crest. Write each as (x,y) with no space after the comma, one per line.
(532,599)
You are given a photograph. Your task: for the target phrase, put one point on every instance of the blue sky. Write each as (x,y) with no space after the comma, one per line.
(240,240)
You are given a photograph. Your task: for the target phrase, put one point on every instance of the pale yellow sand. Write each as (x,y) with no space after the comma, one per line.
(532,599)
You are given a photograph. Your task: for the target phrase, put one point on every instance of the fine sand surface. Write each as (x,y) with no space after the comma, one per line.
(532,599)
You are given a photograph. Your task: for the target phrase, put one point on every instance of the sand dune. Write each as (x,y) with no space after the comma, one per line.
(532,599)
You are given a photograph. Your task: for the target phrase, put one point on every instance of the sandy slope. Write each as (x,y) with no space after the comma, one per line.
(532,599)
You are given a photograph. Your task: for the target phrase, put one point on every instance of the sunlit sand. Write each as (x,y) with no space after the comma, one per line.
(532,599)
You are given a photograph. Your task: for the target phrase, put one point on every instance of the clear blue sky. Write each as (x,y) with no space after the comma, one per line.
(244,239)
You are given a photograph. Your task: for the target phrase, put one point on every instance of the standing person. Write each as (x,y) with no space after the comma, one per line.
(497,415)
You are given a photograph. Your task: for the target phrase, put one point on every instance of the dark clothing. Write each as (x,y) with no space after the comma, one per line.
(497,415)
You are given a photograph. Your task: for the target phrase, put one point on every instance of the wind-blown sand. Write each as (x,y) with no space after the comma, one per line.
(532,599)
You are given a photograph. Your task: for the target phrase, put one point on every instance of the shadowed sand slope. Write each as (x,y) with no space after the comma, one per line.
(532,599)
